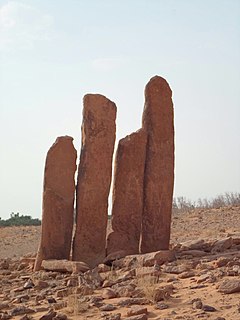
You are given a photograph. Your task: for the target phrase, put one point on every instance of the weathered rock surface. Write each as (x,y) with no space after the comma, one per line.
(65,266)
(128,194)
(159,168)
(58,201)
(94,179)
(230,286)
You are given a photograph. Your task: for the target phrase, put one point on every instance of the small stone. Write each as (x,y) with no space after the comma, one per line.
(48,316)
(5,316)
(103,268)
(29,284)
(229,286)
(136,310)
(72,283)
(221,262)
(126,291)
(132,301)
(84,290)
(108,307)
(20,310)
(208,308)
(4,264)
(138,317)
(161,306)
(222,245)
(116,316)
(197,304)
(96,301)
(108,293)
(40,284)
(186,274)
(162,292)
(175,269)
(4,305)
(51,300)
(64,292)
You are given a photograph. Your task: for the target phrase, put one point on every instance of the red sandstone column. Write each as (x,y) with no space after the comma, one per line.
(94,179)
(128,194)
(58,201)
(159,168)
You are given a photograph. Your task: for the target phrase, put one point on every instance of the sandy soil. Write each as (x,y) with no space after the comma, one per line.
(199,280)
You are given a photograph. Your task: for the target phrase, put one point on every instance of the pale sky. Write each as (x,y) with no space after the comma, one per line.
(53,52)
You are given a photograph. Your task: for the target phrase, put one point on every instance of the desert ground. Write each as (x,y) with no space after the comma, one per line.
(202,281)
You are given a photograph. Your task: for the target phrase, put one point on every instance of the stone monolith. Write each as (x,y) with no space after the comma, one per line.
(58,202)
(159,167)
(128,194)
(94,179)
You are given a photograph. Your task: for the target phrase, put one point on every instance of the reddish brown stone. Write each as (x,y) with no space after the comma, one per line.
(94,179)
(128,194)
(58,201)
(159,167)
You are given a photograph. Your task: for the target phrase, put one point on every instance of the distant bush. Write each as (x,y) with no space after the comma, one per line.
(19,220)
(222,200)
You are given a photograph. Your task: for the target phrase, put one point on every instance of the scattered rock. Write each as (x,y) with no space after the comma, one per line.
(108,293)
(197,304)
(136,310)
(48,316)
(161,306)
(138,317)
(229,286)
(107,307)
(208,308)
(222,245)
(20,310)
(175,269)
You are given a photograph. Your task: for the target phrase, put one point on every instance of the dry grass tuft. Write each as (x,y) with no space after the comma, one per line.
(76,305)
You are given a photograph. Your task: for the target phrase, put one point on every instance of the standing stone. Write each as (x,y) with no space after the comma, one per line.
(94,179)
(58,201)
(159,168)
(128,194)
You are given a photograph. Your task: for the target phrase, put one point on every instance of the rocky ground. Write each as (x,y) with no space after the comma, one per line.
(200,280)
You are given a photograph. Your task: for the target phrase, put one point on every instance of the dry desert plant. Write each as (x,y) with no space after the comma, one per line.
(76,305)
(152,290)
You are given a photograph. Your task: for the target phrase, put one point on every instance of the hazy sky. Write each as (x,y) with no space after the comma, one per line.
(55,51)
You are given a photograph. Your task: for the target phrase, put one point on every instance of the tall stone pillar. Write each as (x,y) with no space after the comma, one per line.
(159,167)
(94,179)
(128,194)
(58,201)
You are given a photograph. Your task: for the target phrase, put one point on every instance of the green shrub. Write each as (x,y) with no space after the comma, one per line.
(19,220)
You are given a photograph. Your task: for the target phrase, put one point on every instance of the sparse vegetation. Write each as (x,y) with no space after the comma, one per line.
(181,204)
(19,220)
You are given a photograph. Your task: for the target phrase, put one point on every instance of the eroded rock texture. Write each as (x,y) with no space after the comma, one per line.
(94,179)
(159,167)
(58,201)
(128,194)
